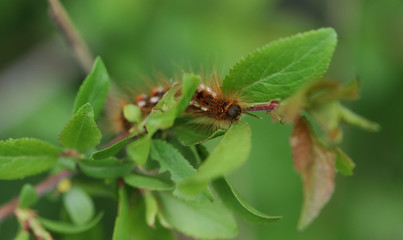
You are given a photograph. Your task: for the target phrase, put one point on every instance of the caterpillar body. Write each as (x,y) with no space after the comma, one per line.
(209,105)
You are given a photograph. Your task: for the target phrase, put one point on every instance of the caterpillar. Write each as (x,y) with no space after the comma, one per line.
(209,105)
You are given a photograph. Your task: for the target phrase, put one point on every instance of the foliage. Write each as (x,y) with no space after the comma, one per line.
(159,187)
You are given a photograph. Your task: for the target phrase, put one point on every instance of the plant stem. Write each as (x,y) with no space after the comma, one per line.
(41,189)
(62,21)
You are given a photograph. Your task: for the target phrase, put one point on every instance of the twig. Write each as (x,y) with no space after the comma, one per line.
(62,21)
(41,189)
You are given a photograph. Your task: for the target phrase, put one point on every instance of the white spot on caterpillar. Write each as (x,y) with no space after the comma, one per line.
(204,109)
(202,86)
(194,103)
(154,99)
(141,103)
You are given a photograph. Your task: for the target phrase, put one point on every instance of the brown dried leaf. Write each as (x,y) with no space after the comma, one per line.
(316,165)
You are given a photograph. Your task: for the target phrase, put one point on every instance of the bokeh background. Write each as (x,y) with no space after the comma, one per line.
(137,38)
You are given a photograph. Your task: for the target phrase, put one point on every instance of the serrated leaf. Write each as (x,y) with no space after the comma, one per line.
(79,205)
(315,163)
(28,196)
(344,164)
(190,82)
(139,150)
(68,228)
(148,182)
(232,150)
(130,223)
(151,206)
(105,168)
(279,68)
(171,160)
(230,198)
(81,132)
(94,89)
(112,150)
(26,156)
(205,220)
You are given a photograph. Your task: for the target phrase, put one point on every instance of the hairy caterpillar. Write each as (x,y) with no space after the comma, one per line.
(209,105)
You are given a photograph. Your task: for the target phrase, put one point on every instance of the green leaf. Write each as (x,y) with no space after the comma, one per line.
(68,228)
(315,163)
(79,205)
(279,68)
(171,160)
(170,106)
(132,113)
(112,150)
(344,164)
(206,220)
(105,168)
(230,198)
(130,223)
(148,182)
(139,149)
(151,208)
(26,156)
(190,134)
(94,89)
(28,196)
(81,132)
(354,119)
(230,153)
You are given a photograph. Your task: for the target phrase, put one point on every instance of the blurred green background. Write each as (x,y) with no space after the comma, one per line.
(39,77)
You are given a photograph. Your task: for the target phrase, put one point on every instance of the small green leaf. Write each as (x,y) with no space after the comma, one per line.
(112,150)
(170,106)
(81,132)
(94,89)
(79,205)
(171,160)
(131,223)
(354,119)
(68,228)
(191,134)
(148,182)
(132,113)
(279,68)
(26,156)
(28,196)
(344,164)
(105,168)
(230,198)
(205,220)
(151,208)
(230,153)
(139,149)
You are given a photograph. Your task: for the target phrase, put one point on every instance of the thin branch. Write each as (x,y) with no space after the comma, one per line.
(62,21)
(41,189)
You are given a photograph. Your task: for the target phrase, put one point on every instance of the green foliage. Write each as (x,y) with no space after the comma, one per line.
(205,220)
(230,153)
(81,132)
(231,199)
(160,170)
(94,89)
(25,157)
(278,69)
(68,228)
(28,196)
(79,205)
(154,183)
(105,168)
